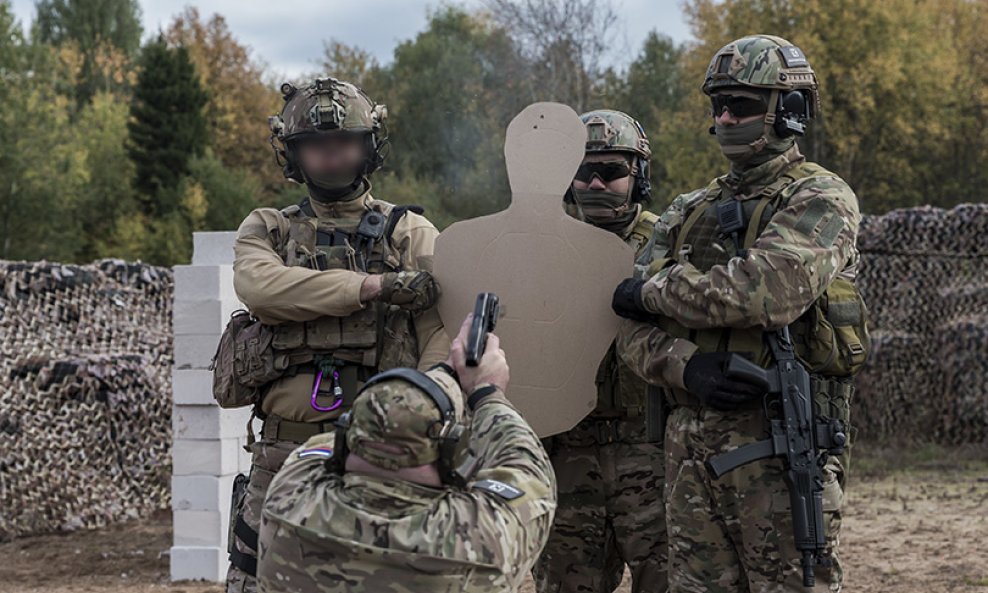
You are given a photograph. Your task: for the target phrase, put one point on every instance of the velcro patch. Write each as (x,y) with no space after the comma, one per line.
(793,56)
(317,452)
(505,491)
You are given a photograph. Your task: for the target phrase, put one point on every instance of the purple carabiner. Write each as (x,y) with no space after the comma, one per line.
(337,392)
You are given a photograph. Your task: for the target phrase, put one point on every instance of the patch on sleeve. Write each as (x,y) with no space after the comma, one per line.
(505,491)
(811,217)
(830,232)
(317,452)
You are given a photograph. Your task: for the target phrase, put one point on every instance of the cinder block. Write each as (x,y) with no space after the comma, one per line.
(195,351)
(210,457)
(208,422)
(202,282)
(207,563)
(207,316)
(213,248)
(192,387)
(200,528)
(202,493)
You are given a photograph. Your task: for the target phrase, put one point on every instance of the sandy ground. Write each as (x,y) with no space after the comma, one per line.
(924,529)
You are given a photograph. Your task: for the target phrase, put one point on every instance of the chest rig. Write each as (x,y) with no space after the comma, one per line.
(831,338)
(344,351)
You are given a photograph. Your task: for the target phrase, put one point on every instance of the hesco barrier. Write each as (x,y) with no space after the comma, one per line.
(86,353)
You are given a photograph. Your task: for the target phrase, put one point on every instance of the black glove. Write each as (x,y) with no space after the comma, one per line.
(627,300)
(704,377)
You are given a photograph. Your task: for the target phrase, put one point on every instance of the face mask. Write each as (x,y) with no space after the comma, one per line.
(610,211)
(735,141)
(332,180)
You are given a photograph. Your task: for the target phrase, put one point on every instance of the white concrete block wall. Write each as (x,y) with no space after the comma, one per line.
(207,445)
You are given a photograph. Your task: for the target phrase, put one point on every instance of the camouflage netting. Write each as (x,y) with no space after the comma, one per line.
(924,275)
(85,354)
(85,394)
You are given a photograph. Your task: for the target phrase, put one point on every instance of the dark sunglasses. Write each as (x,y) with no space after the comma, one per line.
(738,106)
(607,171)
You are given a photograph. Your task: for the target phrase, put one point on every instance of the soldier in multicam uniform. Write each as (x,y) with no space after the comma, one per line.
(610,467)
(342,279)
(770,244)
(411,496)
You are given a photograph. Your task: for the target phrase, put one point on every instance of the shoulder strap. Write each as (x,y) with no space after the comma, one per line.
(396,214)
(773,191)
(712,191)
(642,231)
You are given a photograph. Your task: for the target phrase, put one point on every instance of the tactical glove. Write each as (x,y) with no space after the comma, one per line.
(627,300)
(704,377)
(414,291)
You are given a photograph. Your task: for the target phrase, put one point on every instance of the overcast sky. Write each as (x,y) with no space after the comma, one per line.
(288,34)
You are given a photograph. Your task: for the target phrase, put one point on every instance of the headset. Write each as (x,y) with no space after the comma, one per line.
(328,114)
(792,112)
(456,463)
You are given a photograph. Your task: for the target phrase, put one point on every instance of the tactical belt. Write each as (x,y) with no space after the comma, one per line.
(278,429)
(603,431)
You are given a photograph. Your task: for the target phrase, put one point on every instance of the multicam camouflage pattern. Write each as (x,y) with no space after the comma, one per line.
(610,514)
(325,532)
(615,131)
(267,457)
(326,105)
(735,533)
(610,480)
(759,61)
(804,247)
(402,415)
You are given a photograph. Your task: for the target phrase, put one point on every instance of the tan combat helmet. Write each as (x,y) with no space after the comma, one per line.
(328,106)
(761,63)
(615,131)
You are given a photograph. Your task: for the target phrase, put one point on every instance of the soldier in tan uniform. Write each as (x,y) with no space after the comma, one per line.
(410,495)
(610,467)
(340,282)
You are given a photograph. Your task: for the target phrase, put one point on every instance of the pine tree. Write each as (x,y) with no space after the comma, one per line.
(167,127)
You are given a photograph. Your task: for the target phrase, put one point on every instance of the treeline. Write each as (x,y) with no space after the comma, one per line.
(111,148)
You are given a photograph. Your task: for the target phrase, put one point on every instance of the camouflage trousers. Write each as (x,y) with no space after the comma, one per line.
(268,457)
(609,515)
(735,534)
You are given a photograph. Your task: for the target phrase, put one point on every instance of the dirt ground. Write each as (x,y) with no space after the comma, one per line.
(919,529)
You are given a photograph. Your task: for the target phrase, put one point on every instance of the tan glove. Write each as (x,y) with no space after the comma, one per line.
(414,291)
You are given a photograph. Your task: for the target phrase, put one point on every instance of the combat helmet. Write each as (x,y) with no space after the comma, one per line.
(327,106)
(615,131)
(774,69)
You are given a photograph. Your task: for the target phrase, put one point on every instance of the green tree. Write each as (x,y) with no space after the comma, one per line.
(106,33)
(41,169)
(167,127)
(240,101)
(451,92)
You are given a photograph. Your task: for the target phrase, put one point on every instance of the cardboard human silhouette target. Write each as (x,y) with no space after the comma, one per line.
(554,275)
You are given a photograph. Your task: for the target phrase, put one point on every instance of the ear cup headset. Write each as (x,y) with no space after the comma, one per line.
(327,114)
(456,463)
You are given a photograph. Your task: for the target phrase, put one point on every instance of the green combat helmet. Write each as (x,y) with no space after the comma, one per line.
(615,131)
(327,106)
(774,70)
